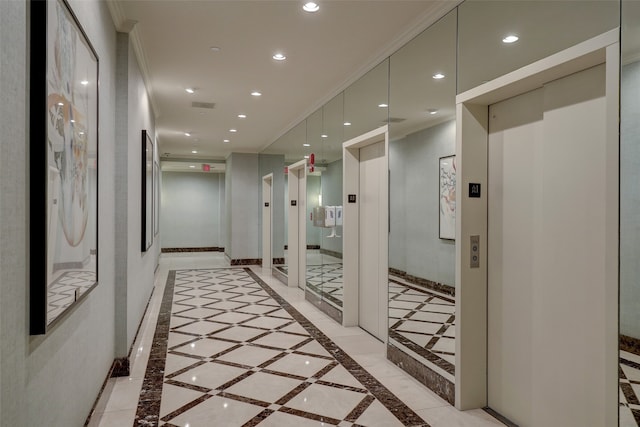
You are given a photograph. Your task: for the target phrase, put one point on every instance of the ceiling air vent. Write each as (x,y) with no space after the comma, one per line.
(396,120)
(208,105)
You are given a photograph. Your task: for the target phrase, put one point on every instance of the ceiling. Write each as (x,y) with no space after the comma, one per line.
(325,52)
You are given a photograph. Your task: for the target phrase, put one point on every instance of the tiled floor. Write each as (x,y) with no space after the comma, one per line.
(629,389)
(235,352)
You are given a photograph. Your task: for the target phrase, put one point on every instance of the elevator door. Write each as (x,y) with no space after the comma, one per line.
(545,254)
(372,290)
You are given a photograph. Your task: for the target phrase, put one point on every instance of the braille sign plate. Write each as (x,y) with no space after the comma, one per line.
(474,190)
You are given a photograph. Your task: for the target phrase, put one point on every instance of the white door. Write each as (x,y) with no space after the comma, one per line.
(372,287)
(546,224)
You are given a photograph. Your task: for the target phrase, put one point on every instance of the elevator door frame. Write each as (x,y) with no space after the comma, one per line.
(471,218)
(297,231)
(267,221)
(351,226)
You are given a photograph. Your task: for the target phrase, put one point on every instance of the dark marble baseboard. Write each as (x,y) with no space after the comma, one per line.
(425,283)
(280,275)
(286,247)
(246,261)
(278,261)
(499,417)
(120,367)
(324,306)
(202,249)
(431,379)
(331,253)
(630,344)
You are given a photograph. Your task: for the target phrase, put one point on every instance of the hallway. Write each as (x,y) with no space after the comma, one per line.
(233,346)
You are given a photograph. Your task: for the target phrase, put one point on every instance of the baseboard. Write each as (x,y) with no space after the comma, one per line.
(246,261)
(201,249)
(425,283)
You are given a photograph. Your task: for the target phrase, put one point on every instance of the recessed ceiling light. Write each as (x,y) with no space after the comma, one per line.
(306,145)
(194,152)
(432,111)
(347,123)
(84,82)
(438,76)
(72,121)
(279,57)
(324,136)
(383,105)
(192,166)
(511,38)
(310,7)
(226,141)
(190,90)
(306,157)
(233,130)
(61,103)
(256,93)
(215,49)
(242,116)
(187,134)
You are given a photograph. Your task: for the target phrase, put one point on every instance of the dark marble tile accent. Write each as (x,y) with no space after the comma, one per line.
(244,399)
(431,379)
(405,414)
(183,370)
(323,305)
(148,411)
(246,261)
(630,363)
(258,418)
(359,410)
(120,367)
(630,344)
(279,274)
(313,246)
(181,410)
(315,417)
(278,261)
(425,283)
(331,253)
(203,249)
(188,386)
(499,417)
(441,363)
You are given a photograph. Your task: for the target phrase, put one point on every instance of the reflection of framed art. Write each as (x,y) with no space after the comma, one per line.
(447,197)
(63,157)
(156,198)
(147,191)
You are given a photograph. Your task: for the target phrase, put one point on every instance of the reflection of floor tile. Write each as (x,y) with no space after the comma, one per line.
(264,387)
(217,411)
(204,347)
(296,364)
(209,375)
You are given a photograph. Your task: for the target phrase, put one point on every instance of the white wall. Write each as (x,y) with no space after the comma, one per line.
(630,201)
(414,243)
(51,380)
(192,209)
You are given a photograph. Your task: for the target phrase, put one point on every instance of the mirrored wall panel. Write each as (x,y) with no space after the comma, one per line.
(497,37)
(630,217)
(422,207)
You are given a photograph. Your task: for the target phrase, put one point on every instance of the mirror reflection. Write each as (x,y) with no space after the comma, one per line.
(422,195)
(629,219)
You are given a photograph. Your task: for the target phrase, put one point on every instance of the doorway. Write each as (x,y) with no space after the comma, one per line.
(366,232)
(538,226)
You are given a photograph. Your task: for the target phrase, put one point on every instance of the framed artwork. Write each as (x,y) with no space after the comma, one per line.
(156,198)
(147,191)
(63,161)
(447,193)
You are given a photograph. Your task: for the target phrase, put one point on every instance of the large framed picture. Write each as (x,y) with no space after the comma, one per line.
(447,193)
(147,191)
(63,158)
